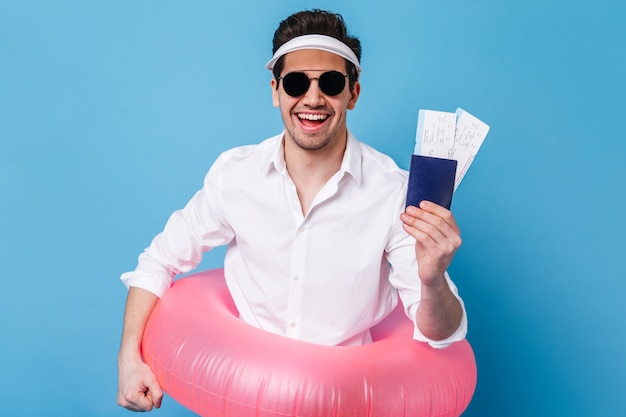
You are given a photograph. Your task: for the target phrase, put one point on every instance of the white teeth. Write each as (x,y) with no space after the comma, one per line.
(308,116)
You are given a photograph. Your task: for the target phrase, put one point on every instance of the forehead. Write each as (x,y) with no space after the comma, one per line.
(313,59)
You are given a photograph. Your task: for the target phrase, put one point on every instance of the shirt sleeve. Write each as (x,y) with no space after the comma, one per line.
(188,233)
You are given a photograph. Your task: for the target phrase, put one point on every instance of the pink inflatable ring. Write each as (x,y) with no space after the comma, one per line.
(216,365)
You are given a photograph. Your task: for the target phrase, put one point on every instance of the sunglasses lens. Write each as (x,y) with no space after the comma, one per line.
(296,83)
(332,83)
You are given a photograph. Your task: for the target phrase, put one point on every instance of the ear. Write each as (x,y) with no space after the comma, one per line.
(354,95)
(275,100)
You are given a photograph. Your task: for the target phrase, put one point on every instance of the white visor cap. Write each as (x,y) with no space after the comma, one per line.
(321,42)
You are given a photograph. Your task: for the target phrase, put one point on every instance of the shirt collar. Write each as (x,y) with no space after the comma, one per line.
(352,158)
(270,154)
(274,156)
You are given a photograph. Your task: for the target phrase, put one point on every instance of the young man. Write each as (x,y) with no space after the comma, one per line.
(319,243)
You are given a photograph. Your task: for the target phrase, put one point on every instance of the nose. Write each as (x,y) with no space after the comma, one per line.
(314,96)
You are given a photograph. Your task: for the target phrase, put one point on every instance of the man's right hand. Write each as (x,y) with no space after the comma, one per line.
(138,389)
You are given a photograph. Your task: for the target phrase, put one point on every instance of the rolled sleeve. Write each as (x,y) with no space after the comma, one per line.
(457,336)
(149,282)
(188,233)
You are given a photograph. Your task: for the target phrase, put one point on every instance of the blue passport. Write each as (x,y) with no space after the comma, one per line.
(431,179)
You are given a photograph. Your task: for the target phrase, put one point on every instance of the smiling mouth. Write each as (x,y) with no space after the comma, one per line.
(312,118)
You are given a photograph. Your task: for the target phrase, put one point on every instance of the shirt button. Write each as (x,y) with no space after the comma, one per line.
(300,229)
(296,278)
(292,324)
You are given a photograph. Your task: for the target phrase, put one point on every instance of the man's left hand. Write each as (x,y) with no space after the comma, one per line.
(437,239)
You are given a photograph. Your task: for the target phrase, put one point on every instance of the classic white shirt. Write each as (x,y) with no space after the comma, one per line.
(325,277)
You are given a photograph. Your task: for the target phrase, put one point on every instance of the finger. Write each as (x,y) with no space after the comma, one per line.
(155,393)
(151,395)
(426,244)
(430,237)
(432,225)
(143,399)
(438,217)
(423,232)
(441,212)
(137,402)
(438,253)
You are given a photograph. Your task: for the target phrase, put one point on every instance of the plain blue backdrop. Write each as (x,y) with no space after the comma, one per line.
(111,113)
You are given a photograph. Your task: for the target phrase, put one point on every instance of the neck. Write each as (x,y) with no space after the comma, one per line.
(311,170)
(309,164)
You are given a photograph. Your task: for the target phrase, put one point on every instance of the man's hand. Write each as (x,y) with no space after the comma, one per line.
(437,239)
(138,389)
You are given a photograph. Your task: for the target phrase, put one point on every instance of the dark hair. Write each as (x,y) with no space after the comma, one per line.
(316,22)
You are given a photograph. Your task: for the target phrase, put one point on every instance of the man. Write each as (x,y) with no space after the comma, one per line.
(319,243)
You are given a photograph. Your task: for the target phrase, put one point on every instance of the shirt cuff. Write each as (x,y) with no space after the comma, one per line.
(148,282)
(457,336)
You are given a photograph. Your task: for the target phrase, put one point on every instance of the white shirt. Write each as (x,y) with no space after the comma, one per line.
(325,277)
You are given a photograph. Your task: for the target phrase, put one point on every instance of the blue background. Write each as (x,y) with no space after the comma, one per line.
(111,113)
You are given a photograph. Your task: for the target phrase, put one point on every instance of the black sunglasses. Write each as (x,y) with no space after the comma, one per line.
(297,83)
